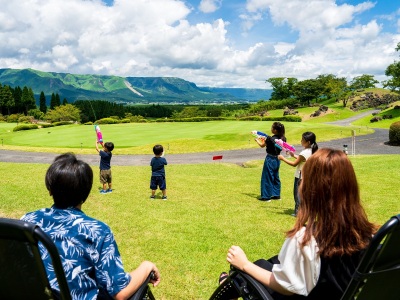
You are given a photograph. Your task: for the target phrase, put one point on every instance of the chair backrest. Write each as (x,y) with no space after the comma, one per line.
(22,273)
(240,284)
(378,274)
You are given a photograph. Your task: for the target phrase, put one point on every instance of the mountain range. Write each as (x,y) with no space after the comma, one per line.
(126,90)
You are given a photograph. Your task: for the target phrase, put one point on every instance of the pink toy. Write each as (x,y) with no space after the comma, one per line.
(285,146)
(99,135)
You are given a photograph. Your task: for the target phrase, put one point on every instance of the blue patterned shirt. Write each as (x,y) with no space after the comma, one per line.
(88,251)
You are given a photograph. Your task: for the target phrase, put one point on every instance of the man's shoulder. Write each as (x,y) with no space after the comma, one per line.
(33,215)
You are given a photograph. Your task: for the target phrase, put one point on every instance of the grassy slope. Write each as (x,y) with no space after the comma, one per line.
(138,138)
(210,207)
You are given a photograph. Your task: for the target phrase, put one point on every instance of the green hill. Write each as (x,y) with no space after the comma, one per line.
(120,89)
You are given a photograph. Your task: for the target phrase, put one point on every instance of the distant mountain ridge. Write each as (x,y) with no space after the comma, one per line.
(134,90)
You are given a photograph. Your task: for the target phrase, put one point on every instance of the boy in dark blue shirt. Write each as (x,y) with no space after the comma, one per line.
(105,166)
(158,172)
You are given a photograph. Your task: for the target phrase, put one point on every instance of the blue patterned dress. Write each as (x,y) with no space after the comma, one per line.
(88,251)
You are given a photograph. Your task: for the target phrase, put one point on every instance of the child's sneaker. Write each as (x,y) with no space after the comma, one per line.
(103,192)
(164,198)
(109,191)
(152,197)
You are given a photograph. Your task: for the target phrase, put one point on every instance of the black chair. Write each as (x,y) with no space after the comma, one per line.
(242,284)
(377,275)
(144,292)
(22,272)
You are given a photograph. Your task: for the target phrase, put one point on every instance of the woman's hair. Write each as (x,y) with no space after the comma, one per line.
(280,129)
(69,180)
(330,207)
(309,136)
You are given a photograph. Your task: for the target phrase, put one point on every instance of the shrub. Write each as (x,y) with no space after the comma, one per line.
(137,119)
(375,119)
(25,127)
(88,123)
(25,119)
(125,121)
(62,123)
(36,113)
(283,119)
(394,133)
(107,121)
(46,125)
(251,118)
(193,119)
(13,118)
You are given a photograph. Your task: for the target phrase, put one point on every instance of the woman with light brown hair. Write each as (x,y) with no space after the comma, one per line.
(323,248)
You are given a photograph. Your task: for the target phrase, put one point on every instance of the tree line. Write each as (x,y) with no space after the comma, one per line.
(330,86)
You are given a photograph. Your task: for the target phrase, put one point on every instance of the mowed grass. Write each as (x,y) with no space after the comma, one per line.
(139,138)
(210,207)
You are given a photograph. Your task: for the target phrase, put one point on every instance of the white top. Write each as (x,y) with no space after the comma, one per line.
(306,153)
(299,268)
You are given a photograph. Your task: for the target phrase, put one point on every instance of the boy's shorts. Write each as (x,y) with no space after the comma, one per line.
(158,181)
(105,176)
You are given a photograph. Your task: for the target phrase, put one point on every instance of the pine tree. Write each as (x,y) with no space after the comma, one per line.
(8,99)
(53,101)
(42,103)
(58,101)
(27,99)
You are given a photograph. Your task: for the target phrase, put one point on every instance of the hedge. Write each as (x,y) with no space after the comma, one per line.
(107,121)
(25,127)
(45,125)
(61,123)
(194,119)
(284,118)
(394,133)
(248,118)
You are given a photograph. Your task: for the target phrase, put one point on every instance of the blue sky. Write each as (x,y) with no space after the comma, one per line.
(219,43)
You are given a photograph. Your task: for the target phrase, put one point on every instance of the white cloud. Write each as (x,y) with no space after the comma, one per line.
(209,6)
(156,38)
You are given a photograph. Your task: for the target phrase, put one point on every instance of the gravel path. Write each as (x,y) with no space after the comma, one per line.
(375,143)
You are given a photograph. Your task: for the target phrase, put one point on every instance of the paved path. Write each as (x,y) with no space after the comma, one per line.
(375,143)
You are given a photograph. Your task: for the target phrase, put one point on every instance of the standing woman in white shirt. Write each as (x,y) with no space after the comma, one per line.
(323,248)
(308,141)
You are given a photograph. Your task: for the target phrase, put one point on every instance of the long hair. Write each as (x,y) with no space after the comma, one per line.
(309,136)
(330,207)
(280,129)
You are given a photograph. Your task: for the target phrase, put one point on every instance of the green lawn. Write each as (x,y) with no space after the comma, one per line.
(209,208)
(385,123)
(139,138)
